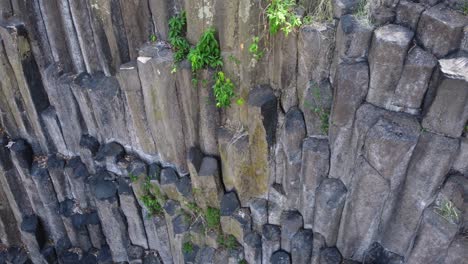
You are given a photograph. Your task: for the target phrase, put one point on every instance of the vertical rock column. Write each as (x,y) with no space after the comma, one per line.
(162,105)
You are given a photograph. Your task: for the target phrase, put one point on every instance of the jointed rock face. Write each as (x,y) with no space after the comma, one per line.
(349,142)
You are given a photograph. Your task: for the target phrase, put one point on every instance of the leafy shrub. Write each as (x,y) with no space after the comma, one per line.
(281,16)
(206,53)
(177,30)
(227,241)
(152,204)
(223,90)
(448,211)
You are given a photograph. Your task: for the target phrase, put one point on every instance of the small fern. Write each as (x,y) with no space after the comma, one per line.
(177,30)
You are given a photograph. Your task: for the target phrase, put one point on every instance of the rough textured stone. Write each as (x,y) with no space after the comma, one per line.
(448,112)
(315,46)
(316,103)
(259,213)
(315,167)
(271,239)
(344,7)
(431,161)
(434,237)
(330,255)
(291,223)
(377,254)
(414,80)
(461,163)
(385,70)
(162,105)
(229,204)
(239,224)
(280,257)
(253,247)
(408,14)
(301,246)
(440,30)
(207,184)
(329,204)
(456,252)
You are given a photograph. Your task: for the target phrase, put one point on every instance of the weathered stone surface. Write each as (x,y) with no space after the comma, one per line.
(440,30)
(315,46)
(301,246)
(291,223)
(329,203)
(262,122)
(169,180)
(315,167)
(158,237)
(130,209)
(253,247)
(109,155)
(317,245)
(61,97)
(408,14)
(51,125)
(28,85)
(136,116)
(280,257)
(209,114)
(432,159)
(235,162)
(238,224)
(448,112)
(344,7)
(205,255)
(229,204)
(137,22)
(456,252)
(434,237)
(414,80)
(259,213)
(277,203)
(162,105)
(330,255)
(282,67)
(316,103)
(377,254)
(461,163)
(293,133)
(271,241)
(385,70)
(207,184)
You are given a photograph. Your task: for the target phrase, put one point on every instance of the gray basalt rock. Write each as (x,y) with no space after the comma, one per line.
(414,80)
(377,254)
(277,203)
(301,246)
(271,241)
(262,123)
(259,213)
(52,126)
(317,246)
(440,30)
(280,257)
(205,255)
(294,132)
(385,70)
(330,255)
(434,237)
(207,184)
(135,227)
(344,7)
(461,163)
(448,112)
(239,224)
(433,155)
(315,46)
(158,237)
(329,203)
(136,116)
(162,104)
(229,204)
(291,223)
(456,252)
(109,155)
(408,14)
(253,247)
(315,103)
(315,167)
(209,121)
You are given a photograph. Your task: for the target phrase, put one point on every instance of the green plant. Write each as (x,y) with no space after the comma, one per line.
(177,29)
(133,178)
(254,49)
(281,16)
(153,38)
(152,204)
(194,208)
(240,101)
(227,241)
(234,59)
(243,261)
(213,218)
(223,90)
(187,247)
(206,53)
(464,7)
(448,211)
(322,113)
(307,20)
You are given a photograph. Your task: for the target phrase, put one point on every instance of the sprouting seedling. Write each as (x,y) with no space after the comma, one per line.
(153,38)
